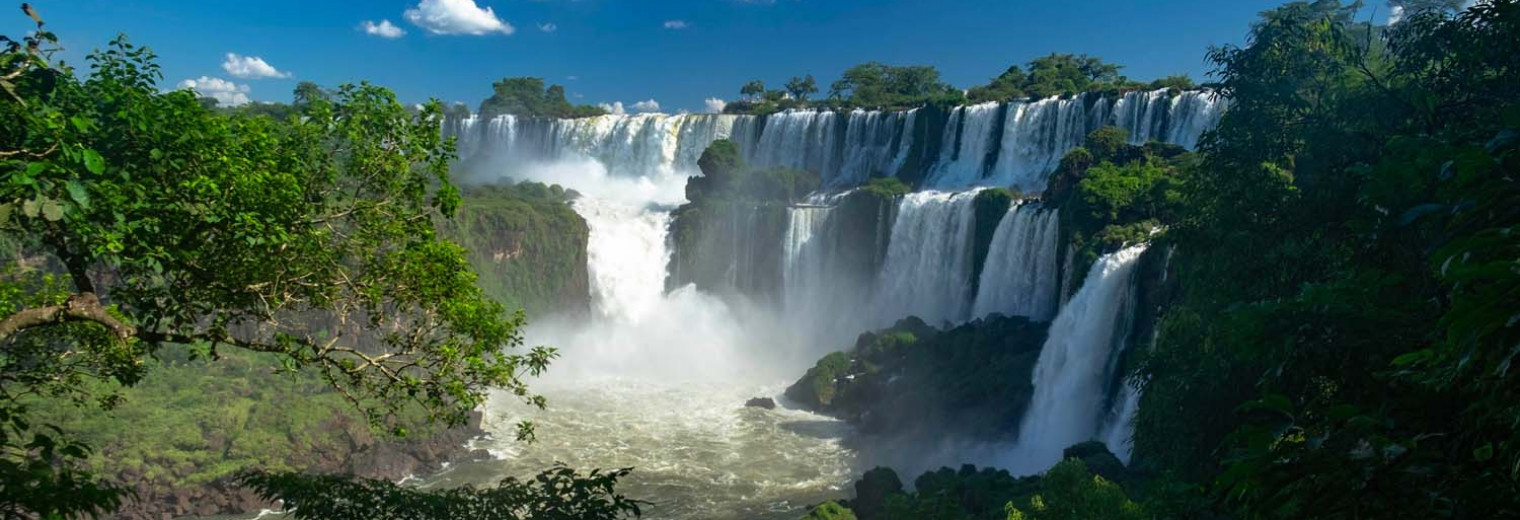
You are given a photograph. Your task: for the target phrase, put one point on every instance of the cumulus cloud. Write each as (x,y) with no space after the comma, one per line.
(250,67)
(648,105)
(456,17)
(226,93)
(548,27)
(384,29)
(714,105)
(615,108)
(676,24)
(1395,14)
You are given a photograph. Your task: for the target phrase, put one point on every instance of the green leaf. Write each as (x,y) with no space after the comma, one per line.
(1484,453)
(52,210)
(1413,357)
(6,210)
(79,194)
(33,169)
(30,208)
(93,162)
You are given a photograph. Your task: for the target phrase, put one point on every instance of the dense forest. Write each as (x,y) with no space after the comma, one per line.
(207,309)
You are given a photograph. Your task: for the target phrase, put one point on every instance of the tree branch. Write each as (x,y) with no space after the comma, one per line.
(80,307)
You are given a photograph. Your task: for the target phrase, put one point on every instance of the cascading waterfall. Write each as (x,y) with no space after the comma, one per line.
(1193,113)
(626,258)
(1019,277)
(844,149)
(928,266)
(1076,364)
(1035,137)
(968,138)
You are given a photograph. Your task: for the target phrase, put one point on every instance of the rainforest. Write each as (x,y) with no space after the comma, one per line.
(1288,287)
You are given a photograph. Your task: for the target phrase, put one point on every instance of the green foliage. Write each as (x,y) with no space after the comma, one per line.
(310,239)
(196,421)
(556,494)
(1069,492)
(1174,83)
(1052,75)
(885,188)
(527,244)
(830,511)
(801,88)
(877,85)
(1348,298)
(752,90)
(1105,143)
(526,96)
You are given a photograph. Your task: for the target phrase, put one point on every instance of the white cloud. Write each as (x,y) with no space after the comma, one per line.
(456,17)
(714,105)
(250,67)
(676,24)
(1395,14)
(615,108)
(649,105)
(572,78)
(384,29)
(226,93)
(548,27)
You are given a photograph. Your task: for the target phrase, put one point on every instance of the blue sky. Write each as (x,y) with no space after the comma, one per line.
(677,52)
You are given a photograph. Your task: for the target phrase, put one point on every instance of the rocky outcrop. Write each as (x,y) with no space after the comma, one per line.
(972,379)
(761,402)
(364,455)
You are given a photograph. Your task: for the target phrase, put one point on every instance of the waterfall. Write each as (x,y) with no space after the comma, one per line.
(968,138)
(928,266)
(1120,426)
(1077,363)
(626,257)
(1193,113)
(976,147)
(1035,138)
(1019,277)
(868,148)
(1140,113)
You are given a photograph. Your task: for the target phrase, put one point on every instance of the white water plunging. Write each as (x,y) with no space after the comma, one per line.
(1035,138)
(968,138)
(1077,362)
(928,266)
(975,148)
(626,258)
(1019,277)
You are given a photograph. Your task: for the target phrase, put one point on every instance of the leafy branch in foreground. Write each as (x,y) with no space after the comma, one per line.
(559,493)
(140,221)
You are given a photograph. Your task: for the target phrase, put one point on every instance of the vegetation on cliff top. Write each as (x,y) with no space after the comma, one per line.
(526,96)
(527,244)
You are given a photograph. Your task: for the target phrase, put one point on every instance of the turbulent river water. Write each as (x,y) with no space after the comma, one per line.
(657,379)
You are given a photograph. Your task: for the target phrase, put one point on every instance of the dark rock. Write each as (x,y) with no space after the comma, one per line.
(761,402)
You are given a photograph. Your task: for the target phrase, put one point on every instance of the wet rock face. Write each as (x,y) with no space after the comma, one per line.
(761,402)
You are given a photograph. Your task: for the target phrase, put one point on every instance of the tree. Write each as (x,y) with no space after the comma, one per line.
(1343,316)
(162,225)
(752,89)
(527,96)
(801,88)
(1007,86)
(1068,73)
(307,93)
(875,84)
(1069,492)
